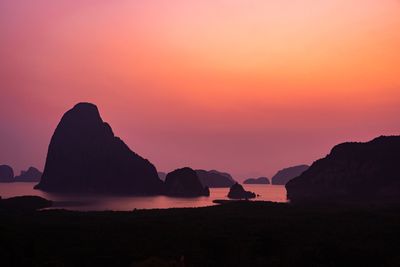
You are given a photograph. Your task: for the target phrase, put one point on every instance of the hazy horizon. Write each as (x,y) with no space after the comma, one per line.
(246,87)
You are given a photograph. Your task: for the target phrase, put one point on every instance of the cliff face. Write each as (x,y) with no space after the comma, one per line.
(352,171)
(85,156)
(283,176)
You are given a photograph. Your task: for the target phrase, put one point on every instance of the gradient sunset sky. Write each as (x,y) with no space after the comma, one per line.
(243,86)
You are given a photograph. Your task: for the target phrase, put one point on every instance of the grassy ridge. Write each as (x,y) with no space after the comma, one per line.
(233,234)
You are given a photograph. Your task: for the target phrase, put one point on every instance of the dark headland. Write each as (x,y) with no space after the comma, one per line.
(362,172)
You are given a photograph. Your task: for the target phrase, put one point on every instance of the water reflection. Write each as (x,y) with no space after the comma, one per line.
(274,193)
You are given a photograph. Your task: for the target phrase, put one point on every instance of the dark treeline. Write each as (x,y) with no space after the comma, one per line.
(233,234)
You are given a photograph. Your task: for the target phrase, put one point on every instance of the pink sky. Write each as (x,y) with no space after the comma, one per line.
(246,87)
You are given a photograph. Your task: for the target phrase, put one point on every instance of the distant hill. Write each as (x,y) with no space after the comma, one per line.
(285,175)
(352,171)
(84,156)
(260,180)
(215,178)
(30,175)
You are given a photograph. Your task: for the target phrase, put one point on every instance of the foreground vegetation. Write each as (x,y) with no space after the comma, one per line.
(233,234)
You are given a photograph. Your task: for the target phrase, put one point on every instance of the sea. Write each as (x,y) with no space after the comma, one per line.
(274,193)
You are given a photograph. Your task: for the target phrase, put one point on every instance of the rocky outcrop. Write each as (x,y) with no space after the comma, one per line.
(184,183)
(285,175)
(31,175)
(260,180)
(6,174)
(237,192)
(215,179)
(352,171)
(84,156)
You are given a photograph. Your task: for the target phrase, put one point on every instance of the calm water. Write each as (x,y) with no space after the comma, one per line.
(275,193)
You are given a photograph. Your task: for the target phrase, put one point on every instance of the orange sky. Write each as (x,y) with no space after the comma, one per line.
(246,87)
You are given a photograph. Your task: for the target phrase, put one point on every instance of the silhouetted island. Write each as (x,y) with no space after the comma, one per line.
(352,171)
(6,174)
(215,179)
(260,180)
(237,192)
(285,175)
(85,156)
(30,175)
(184,183)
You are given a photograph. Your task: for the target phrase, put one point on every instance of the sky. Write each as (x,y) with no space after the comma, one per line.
(243,86)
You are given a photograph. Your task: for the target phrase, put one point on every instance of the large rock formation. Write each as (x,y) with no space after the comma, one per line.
(285,175)
(6,174)
(31,175)
(85,156)
(184,183)
(352,171)
(215,178)
(260,180)
(237,192)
